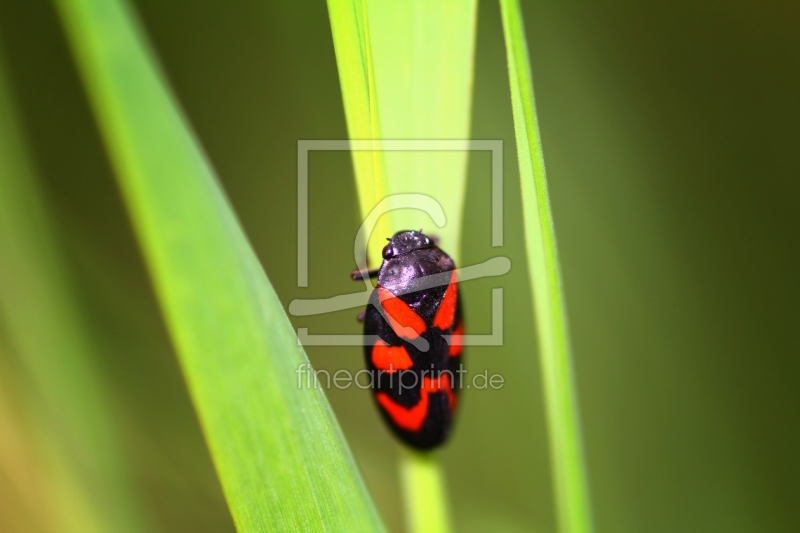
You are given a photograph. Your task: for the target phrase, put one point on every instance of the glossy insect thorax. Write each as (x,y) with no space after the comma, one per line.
(413,325)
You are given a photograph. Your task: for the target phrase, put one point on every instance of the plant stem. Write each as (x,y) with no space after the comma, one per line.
(424,492)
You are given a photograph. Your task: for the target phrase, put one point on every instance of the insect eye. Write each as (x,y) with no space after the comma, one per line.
(388,251)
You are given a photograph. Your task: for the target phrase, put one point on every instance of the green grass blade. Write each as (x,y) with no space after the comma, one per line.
(406,74)
(84,478)
(423,62)
(424,492)
(278,451)
(351,40)
(406,70)
(569,468)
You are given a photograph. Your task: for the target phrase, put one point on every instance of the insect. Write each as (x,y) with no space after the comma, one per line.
(412,327)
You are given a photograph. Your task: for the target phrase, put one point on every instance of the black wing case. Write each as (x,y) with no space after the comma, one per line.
(414,389)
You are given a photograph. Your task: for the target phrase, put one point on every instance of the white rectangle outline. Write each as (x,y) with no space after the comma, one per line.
(304,146)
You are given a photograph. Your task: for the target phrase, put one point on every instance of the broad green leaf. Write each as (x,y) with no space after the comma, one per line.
(422,53)
(277,448)
(568,464)
(405,70)
(350,29)
(81,470)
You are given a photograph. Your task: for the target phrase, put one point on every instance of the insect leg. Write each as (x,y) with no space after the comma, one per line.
(358,275)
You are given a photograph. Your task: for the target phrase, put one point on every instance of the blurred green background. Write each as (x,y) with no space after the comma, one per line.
(670,135)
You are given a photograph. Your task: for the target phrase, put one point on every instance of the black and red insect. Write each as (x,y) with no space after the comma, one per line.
(413,327)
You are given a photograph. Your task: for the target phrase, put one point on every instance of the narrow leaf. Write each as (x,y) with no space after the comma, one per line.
(422,54)
(278,451)
(405,70)
(568,464)
(351,40)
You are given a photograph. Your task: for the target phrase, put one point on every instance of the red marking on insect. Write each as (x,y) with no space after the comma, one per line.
(447,309)
(404,321)
(390,358)
(456,341)
(412,418)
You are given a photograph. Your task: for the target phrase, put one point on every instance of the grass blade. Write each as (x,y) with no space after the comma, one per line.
(406,70)
(423,63)
(278,451)
(424,492)
(569,469)
(83,474)
(351,40)
(406,73)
